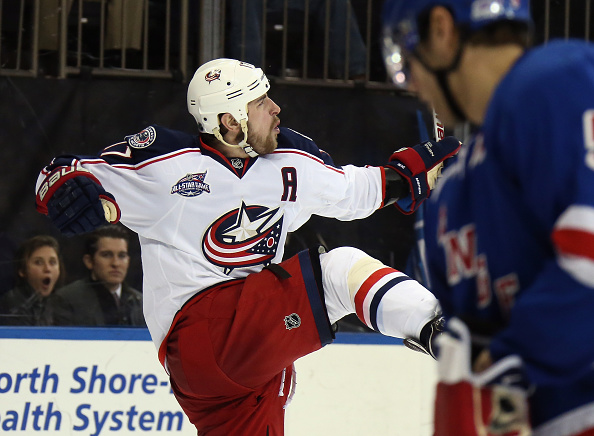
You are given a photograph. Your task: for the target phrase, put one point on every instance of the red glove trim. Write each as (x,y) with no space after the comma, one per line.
(56,179)
(383,172)
(409,157)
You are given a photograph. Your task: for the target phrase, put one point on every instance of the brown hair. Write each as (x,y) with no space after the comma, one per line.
(497,33)
(503,32)
(26,250)
(108,231)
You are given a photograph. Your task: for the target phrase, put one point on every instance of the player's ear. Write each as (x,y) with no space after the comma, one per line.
(443,35)
(230,122)
(88,261)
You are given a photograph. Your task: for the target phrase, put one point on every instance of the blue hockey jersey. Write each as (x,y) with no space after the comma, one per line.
(510,229)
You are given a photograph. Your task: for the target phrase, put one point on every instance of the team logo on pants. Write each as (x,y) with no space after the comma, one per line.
(244,237)
(292,321)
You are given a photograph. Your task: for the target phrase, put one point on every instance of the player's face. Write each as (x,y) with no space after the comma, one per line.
(42,270)
(110,262)
(424,84)
(437,52)
(263,124)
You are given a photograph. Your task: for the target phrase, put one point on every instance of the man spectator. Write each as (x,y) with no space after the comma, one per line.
(102,298)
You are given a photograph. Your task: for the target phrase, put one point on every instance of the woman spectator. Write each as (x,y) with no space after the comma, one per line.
(39,270)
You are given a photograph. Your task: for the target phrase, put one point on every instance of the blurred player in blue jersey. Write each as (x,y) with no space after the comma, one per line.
(510,230)
(227,313)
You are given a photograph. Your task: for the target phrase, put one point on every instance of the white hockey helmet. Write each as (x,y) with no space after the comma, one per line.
(225,86)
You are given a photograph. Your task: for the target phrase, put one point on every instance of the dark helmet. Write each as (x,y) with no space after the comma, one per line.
(401,23)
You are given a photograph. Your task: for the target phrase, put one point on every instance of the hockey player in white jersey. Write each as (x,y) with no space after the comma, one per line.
(212,212)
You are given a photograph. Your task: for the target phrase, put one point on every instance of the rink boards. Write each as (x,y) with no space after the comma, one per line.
(99,381)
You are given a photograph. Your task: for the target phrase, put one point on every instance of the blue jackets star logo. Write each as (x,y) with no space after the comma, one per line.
(244,237)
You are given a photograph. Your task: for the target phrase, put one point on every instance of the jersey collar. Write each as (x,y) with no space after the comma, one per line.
(236,165)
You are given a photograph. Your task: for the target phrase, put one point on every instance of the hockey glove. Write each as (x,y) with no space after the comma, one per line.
(75,201)
(420,166)
(492,402)
(429,333)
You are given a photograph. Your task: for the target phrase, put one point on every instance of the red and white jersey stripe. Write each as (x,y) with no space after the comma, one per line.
(573,237)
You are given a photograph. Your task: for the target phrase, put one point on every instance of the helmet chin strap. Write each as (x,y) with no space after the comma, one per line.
(243,144)
(441,74)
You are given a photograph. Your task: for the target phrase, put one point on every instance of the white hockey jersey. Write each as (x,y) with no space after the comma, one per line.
(203,219)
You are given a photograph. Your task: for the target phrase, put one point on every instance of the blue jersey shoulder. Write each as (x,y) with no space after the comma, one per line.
(291,139)
(153,141)
(538,123)
(548,68)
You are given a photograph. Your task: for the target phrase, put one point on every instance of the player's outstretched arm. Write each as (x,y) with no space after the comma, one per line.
(416,171)
(74,199)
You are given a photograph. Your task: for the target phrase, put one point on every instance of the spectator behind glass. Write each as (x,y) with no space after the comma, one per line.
(246,42)
(39,269)
(102,298)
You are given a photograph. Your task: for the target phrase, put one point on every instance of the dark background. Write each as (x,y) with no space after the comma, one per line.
(44,116)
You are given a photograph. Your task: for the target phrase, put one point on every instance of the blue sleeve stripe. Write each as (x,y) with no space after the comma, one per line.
(377,298)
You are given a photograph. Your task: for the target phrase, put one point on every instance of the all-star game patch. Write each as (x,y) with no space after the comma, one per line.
(191,185)
(142,139)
